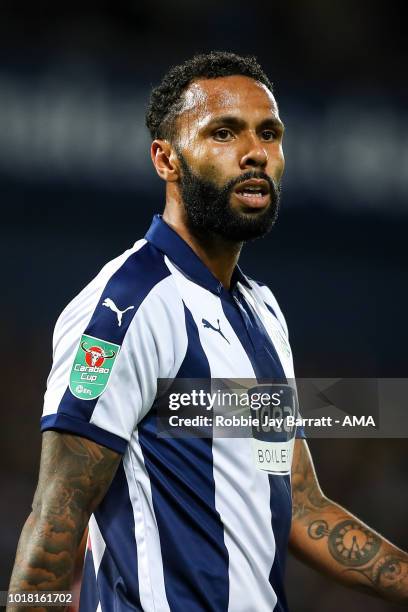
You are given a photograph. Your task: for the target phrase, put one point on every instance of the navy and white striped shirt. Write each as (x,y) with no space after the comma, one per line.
(188,524)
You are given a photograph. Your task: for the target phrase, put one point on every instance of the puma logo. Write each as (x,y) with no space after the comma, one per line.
(209,325)
(119,313)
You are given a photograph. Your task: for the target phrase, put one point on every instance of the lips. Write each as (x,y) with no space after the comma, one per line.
(254,193)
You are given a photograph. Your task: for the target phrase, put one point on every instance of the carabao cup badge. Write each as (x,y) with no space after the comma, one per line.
(92,367)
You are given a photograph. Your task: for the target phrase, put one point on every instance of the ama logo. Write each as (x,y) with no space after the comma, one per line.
(95,355)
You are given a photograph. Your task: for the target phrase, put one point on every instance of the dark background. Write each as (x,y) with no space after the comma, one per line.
(77,188)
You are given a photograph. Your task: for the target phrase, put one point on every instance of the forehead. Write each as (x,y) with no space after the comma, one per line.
(206,98)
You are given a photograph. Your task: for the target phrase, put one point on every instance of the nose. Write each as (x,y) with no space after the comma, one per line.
(255,155)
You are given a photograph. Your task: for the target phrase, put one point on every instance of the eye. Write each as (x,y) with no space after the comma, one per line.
(268,135)
(223,134)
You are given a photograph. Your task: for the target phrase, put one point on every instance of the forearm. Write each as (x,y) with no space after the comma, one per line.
(330,539)
(46,554)
(74,476)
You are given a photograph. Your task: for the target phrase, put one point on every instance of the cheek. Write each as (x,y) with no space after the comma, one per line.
(282,160)
(213,162)
(277,162)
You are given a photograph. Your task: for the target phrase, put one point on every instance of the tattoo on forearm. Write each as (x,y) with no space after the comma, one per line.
(75,474)
(349,543)
(357,549)
(388,572)
(339,543)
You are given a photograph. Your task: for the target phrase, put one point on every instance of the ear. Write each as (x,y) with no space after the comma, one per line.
(165,160)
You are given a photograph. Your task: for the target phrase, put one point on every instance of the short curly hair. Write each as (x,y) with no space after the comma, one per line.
(166,100)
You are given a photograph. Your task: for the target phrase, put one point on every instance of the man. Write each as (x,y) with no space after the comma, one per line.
(186,523)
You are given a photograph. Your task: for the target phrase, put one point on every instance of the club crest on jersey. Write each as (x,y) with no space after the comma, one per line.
(92,367)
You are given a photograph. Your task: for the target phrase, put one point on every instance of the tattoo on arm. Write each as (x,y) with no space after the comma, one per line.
(306,493)
(350,543)
(331,539)
(359,551)
(75,474)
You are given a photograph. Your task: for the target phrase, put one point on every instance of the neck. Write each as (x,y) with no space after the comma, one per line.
(219,255)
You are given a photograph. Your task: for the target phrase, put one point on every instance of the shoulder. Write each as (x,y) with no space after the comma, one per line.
(263,292)
(108,304)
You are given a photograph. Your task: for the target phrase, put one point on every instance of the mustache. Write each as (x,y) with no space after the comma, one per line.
(253,174)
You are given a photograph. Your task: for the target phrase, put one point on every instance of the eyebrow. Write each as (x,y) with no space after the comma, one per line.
(236,122)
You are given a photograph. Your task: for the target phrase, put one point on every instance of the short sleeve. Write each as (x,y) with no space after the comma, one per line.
(111,344)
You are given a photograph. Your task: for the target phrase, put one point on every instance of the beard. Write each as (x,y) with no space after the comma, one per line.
(209,211)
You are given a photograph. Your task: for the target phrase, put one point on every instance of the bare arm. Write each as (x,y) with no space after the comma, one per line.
(327,537)
(75,474)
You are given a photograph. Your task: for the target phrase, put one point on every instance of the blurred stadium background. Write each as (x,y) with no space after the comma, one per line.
(77,188)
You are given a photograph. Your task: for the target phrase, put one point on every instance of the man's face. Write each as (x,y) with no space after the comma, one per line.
(229,145)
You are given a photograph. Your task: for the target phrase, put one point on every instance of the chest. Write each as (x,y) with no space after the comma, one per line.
(234,335)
